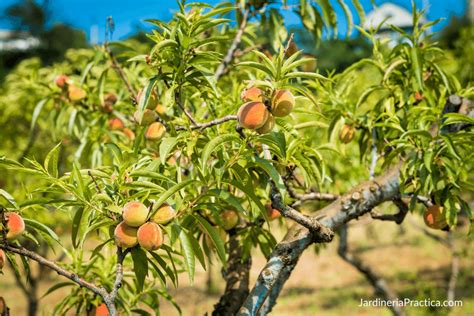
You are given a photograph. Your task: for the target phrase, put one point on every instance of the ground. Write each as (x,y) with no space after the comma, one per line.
(413,264)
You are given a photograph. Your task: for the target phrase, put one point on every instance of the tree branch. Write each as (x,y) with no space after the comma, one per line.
(221,69)
(377,282)
(285,255)
(120,72)
(53,266)
(398,217)
(208,124)
(236,275)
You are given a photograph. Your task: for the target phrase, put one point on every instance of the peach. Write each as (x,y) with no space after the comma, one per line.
(3,260)
(102,310)
(282,103)
(15,225)
(75,93)
(434,217)
(268,126)
(129,133)
(149,116)
(347,133)
(150,236)
(230,219)
(164,214)
(252,115)
(3,307)
(160,109)
(271,212)
(135,214)
(155,131)
(252,94)
(110,98)
(125,236)
(116,124)
(62,81)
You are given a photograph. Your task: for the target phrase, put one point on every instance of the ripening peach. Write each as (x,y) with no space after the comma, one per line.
(111,98)
(75,93)
(150,236)
(3,260)
(347,133)
(160,109)
(125,236)
(155,131)
(129,133)
(15,225)
(135,213)
(252,94)
(116,124)
(434,217)
(164,214)
(271,212)
(62,81)
(283,103)
(230,219)
(268,126)
(102,310)
(252,115)
(148,117)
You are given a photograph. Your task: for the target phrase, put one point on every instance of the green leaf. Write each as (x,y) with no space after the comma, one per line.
(140,266)
(10,199)
(52,155)
(165,195)
(75,226)
(213,145)
(36,112)
(39,227)
(188,252)
(145,96)
(271,171)
(213,235)
(167,144)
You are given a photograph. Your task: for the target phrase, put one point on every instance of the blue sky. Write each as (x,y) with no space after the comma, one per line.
(130,15)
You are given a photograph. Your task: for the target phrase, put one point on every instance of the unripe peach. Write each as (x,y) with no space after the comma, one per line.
(160,109)
(149,116)
(252,115)
(102,310)
(230,219)
(155,131)
(271,212)
(62,81)
(129,133)
(3,260)
(282,103)
(164,214)
(268,126)
(75,93)
(125,236)
(116,124)
(15,225)
(150,236)
(434,217)
(252,94)
(135,214)
(347,133)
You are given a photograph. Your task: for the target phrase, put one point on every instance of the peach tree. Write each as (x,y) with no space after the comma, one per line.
(156,159)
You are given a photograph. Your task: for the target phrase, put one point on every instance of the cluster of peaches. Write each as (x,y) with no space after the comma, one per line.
(259,110)
(15,226)
(137,228)
(155,130)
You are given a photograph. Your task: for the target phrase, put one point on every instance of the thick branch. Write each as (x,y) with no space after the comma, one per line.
(353,204)
(378,283)
(208,124)
(236,275)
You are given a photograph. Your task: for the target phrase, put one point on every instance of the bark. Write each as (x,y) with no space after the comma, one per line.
(236,275)
(286,254)
(378,283)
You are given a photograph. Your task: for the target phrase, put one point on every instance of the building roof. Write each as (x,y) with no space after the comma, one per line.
(391,14)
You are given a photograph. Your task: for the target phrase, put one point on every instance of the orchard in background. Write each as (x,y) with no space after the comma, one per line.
(180,154)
